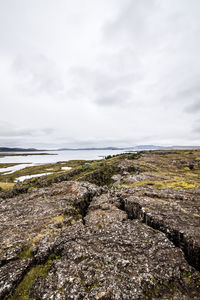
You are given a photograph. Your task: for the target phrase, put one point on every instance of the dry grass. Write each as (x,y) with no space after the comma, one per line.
(6,185)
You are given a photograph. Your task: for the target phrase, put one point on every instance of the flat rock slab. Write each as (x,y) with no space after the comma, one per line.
(174,212)
(29,222)
(83,243)
(112,257)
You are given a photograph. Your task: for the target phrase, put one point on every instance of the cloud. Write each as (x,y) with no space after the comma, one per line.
(196,128)
(119,97)
(104,87)
(98,72)
(133,23)
(37,74)
(193,108)
(7,130)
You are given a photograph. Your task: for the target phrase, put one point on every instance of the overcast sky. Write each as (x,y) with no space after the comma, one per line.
(99,72)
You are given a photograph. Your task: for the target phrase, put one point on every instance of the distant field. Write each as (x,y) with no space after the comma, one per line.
(174,169)
(7,181)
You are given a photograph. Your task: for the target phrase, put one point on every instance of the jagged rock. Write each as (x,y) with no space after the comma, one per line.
(116,178)
(111,257)
(30,221)
(175,213)
(11,274)
(77,240)
(129,179)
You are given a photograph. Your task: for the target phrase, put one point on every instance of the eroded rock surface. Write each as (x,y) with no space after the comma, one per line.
(30,222)
(130,240)
(111,257)
(175,213)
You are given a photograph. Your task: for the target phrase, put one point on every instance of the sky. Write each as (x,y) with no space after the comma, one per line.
(98,73)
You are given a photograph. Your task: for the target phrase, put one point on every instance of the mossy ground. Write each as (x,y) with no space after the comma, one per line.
(55,168)
(22,291)
(180,168)
(83,168)
(6,165)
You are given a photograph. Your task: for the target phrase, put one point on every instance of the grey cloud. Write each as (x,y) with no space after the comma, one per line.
(8,130)
(192,91)
(187,96)
(118,97)
(105,88)
(196,128)
(98,70)
(132,21)
(162,33)
(194,107)
(38,74)
(114,90)
(191,96)
(47,130)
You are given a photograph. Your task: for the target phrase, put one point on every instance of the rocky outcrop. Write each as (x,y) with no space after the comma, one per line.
(175,213)
(30,222)
(78,240)
(112,257)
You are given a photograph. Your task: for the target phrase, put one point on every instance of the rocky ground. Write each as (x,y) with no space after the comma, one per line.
(124,228)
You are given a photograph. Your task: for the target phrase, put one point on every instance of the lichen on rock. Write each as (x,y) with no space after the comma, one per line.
(116,237)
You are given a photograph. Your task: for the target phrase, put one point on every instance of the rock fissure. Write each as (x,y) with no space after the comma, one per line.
(37,250)
(185,243)
(77,240)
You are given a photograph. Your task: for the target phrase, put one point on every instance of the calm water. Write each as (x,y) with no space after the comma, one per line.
(22,178)
(33,160)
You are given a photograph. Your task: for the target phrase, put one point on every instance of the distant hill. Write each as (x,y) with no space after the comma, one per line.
(139,147)
(133,148)
(79,149)
(7,149)
(153,147)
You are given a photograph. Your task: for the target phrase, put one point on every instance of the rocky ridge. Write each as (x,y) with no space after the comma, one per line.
(79,240)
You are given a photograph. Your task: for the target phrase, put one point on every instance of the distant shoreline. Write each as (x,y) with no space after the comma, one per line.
(133,148)
(24,154)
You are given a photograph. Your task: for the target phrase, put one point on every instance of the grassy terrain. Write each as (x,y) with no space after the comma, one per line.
(6,185)
(81,169)
(176,169)
(172,169)
(46,168)
(6,165)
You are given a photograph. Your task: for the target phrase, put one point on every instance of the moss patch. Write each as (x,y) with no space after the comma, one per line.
(159,184)
(22,292)
(26,253)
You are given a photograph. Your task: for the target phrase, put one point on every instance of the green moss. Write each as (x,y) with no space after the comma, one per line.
(26,253)
(22,291)
(160,184)
(186,274)
(182,185)
(99,226)
(187,169)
